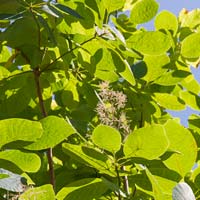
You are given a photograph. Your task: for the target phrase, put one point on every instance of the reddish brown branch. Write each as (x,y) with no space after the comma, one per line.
(44,114)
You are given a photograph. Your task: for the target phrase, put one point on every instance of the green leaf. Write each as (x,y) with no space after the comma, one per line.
(107,138)
(44,192)
(149,43)
(67,10)
(9,6)
(189,49)
(88,187)
(21,27)
(169,101)
(123,67)
(159,186)
(191,99)
(172,77)
(143,11)
(48,29)
(90,157)
(19,129)
(156,67)
(55,131)
(149,142)
(191,19)
(27,162)
(181,140)
(113,5)
(166,20)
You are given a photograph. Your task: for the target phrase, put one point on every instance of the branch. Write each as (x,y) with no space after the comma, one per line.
(44,113)
(67,52)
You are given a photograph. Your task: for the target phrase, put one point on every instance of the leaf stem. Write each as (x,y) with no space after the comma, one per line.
(37,73)
(119,182)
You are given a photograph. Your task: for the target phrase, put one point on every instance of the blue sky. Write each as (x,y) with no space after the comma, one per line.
(175,6)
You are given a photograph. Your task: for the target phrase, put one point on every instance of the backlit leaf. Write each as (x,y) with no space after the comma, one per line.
(27,162)
(107,138)
(143,11)
(180,140)
(166,20)
(149,43)
(55,131)
(44,192)
(148,142)
(19,129)
(88,187)
(189,48)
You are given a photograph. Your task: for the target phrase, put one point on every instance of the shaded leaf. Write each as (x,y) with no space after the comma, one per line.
(48,29)
(68,10)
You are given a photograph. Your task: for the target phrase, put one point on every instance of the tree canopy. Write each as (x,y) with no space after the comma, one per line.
(84,94)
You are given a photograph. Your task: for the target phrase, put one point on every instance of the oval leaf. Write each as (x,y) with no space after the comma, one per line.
(182,141)
(166,20)
(44,192)
(19,129)
(169,101)
(189,48)
(88,187)
(107,138)
(143,11)
(27,162)
(149,43)
(55,131)
(149,142)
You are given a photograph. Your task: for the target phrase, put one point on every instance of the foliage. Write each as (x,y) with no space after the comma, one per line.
(84,93)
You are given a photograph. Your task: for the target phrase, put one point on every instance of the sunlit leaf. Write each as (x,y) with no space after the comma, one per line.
(43,192)
(148,142)
(166,20)
(88,187)
(189,48)
(19,129)
(180,140)
(55,131)
(143,11)
(149,43)
(107,138)
(27,162)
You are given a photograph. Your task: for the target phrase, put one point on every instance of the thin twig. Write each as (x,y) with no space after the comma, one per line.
(67,52)
(119,183)
(126,183)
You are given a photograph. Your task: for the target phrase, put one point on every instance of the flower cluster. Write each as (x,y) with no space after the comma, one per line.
(110,108)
